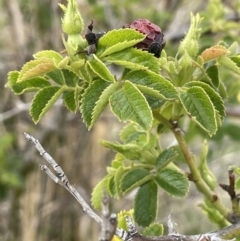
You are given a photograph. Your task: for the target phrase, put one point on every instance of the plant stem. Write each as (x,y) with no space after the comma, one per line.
(196,177)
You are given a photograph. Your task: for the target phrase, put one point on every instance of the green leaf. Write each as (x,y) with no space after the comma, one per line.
(100,69)
(129,104)
(154,81)
(30,85)
(103,100)
(49,54)
(69,101)
(117,40)
(131,132)
(130,151)
(57,76)
(134,178)
(212,72)
(173,182)
(70,78)
(98,190)
(200,108)
(43,101)
(145,204)
(236,60)
(35,68)
(135,59)
(118,178)
(165,157)
(89,99)
(213,95)
(154,229)
(229,64)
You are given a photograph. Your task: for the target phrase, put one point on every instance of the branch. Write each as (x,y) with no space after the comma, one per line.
(108,221)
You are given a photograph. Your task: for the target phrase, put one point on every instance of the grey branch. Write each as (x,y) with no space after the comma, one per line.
(108,221)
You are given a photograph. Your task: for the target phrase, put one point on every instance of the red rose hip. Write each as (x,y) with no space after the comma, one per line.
(154,41)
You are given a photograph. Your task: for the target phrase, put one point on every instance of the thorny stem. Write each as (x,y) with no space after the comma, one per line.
(198,180)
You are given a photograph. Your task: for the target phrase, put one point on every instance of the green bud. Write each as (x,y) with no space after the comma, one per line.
(72,22)
(72,25)
(190,42)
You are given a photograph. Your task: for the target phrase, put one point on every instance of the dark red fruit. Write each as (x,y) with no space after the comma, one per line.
(154,41)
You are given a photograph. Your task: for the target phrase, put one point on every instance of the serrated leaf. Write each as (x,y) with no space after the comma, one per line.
(154,229)
(134,178)
(97,193)
(101,104)
(30,85)
(153,80)
(70,78)
(43,101)
(57,76)
(129,151)
(172,181)
(100,69)
(112,186)
(145,204)
(213,52)
(118,178)
(212,72)
(236,60)
(49,54)
(129,104)
(213,95)
(117,40)
(200,108)
(229,64)
(165,157)
(122,218)
(135,59)
(130,133)
(69,101)
(89,99)
(35,68)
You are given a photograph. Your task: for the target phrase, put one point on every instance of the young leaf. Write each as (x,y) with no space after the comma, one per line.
(97,193)
(103,101)
(145,204)
(43,101)
(36,67)
(100,69)
(70,78)
(57,76)
(213,95)
(165,157)
(154,229)
(128,103)
(118,178)
(200,108)
(131,132)
(49,54)
(172,181)
(69,101)
(229,64)
(213,52)
(134,178)
(129,151)
(135,59)
(212,72)
(30,85)
(117,40)
(89,99)
(153,80)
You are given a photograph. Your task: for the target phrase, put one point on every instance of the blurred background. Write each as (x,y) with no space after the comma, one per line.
(33,207)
